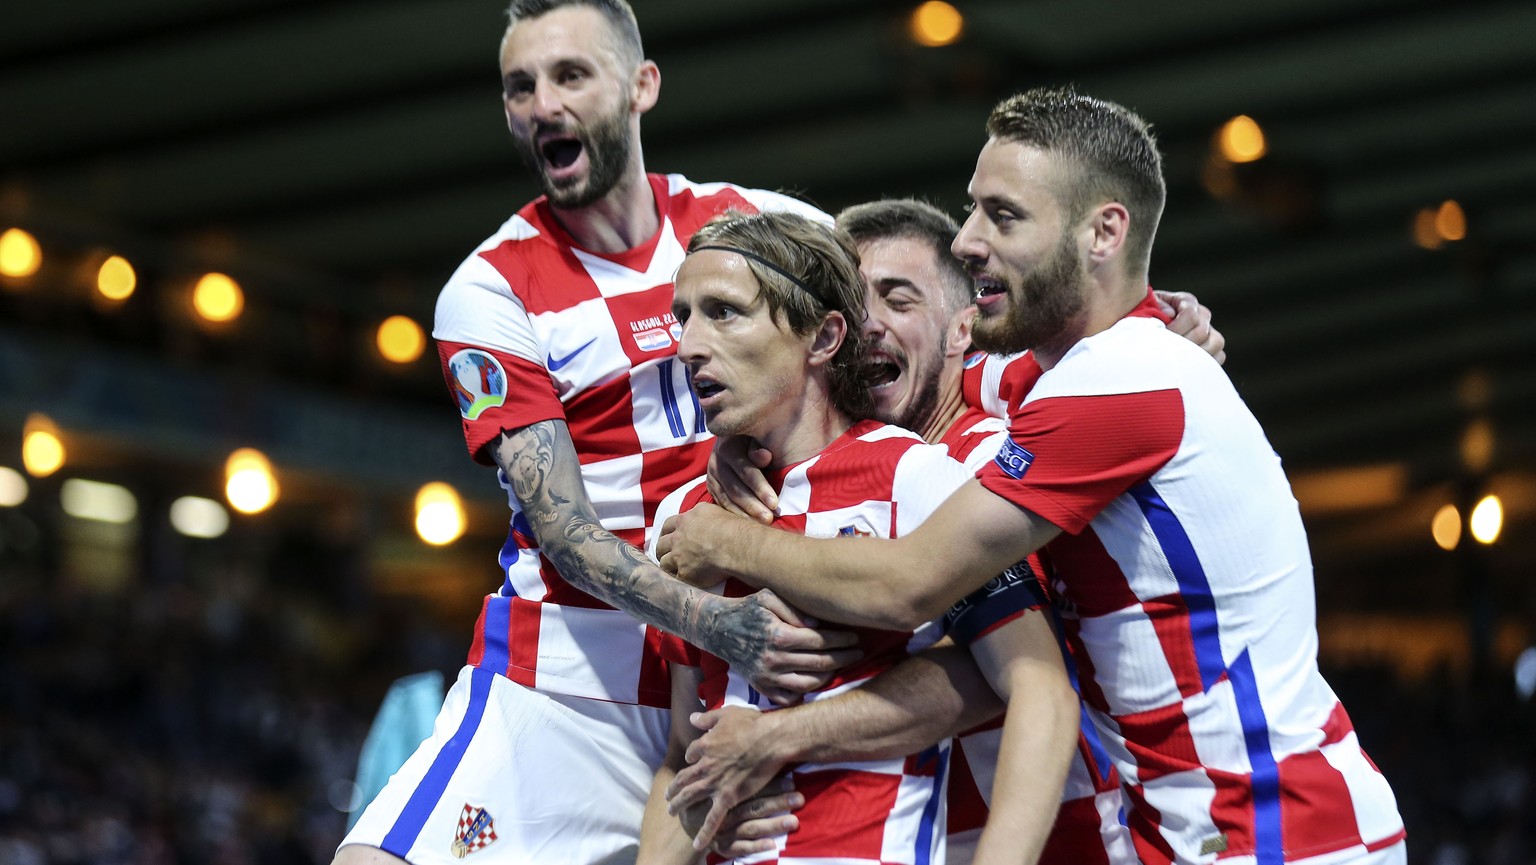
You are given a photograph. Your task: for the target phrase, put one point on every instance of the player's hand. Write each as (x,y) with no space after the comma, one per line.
(692,544)
(736,480)
(734,758)
(1193,322)
(753,825)
(778,651)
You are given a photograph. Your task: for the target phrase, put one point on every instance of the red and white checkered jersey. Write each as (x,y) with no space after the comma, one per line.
(995,382)
(874,480)
(1185,585)
(1087,830)
(532,328)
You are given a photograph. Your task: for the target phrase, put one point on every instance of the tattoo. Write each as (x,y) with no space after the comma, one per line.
(542,466)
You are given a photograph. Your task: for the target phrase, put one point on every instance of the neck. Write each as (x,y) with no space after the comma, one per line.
(950,406)
(1105,301)
(621,220)
(814,424)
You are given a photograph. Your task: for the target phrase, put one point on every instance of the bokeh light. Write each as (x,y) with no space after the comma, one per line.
(439,514)
(1241,139)
(249,484)
(400,339)
(20,254)
(218,298)
(936,24)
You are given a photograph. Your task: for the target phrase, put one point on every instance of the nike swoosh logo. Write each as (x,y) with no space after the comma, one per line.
(557,364)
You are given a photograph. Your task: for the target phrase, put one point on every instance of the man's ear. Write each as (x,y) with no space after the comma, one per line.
(1109,225)
(829,338)
(957,334)
(645,89)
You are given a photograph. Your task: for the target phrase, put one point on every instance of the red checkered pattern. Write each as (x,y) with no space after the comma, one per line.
(1087,828)
(874,480)
(475,830)
(588,339)
(1185,586)
(996,382)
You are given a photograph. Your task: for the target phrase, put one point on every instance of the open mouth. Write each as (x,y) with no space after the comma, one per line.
(988,286)
(561,152)
(706,388)
(881,369)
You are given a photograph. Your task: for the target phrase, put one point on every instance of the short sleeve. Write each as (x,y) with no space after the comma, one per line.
(1068,457)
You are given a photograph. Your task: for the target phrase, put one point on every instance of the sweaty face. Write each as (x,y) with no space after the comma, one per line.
(567,104)
(1021,250)
(908,320)
(748,370)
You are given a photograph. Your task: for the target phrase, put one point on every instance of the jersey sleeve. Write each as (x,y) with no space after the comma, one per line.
(491,359)
(1004,598)
(1068,457)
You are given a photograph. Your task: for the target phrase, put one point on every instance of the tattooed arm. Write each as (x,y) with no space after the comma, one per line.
(759,636)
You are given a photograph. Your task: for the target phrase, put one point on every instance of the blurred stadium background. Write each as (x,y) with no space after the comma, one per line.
(223,225)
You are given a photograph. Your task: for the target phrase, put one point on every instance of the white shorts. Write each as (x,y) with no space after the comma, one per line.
(514,775)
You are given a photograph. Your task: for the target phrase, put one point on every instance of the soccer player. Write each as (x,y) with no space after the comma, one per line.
(1180,564)
(558,343)
(925,378)
(766,303)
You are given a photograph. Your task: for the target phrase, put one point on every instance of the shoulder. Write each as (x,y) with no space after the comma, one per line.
(1134,355)
(719,197)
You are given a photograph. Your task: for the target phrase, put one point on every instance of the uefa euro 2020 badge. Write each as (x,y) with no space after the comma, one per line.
(478,382)
(476,830)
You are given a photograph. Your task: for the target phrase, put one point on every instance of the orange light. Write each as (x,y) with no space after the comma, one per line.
(400,340)
(936,24)
(218,298)
(115,279)
(42,451)
(249,484)
(1241,140)
(1451,221)
(1446,527)
(1477,443)
(20,256)
(1425,234)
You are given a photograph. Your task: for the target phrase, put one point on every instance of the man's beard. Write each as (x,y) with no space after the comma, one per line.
(925,396)
(1050,299)
(607,143)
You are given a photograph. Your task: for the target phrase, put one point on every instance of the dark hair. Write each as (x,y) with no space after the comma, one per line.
(621,18)
(908,218)
(822,268)
(1115,154)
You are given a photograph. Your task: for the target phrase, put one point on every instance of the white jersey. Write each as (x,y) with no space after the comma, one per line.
(1185,584)
(531,328)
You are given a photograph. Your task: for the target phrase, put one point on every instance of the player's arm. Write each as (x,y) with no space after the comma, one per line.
(1022,660)
(895,584)
(928,697)
(663,838)
(757,635)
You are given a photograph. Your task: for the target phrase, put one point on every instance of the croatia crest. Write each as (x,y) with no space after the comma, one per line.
(475,831)
(478,382)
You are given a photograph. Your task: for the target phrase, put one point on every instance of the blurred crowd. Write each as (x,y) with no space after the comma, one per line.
(218,719)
